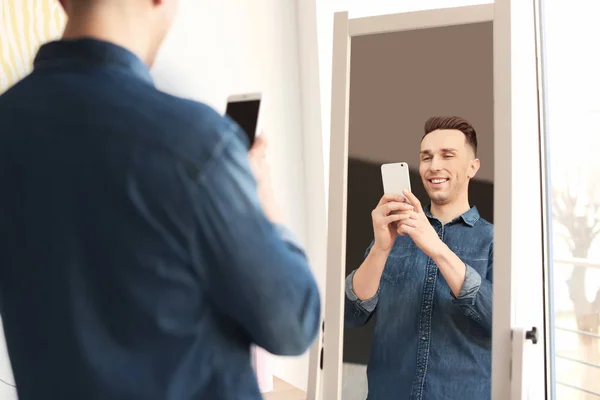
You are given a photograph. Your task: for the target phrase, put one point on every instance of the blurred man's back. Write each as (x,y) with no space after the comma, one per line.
(137,261)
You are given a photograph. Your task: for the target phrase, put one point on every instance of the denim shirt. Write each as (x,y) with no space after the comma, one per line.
(136,261)
(427,343)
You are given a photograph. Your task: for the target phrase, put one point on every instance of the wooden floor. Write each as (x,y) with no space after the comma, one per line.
(284,391)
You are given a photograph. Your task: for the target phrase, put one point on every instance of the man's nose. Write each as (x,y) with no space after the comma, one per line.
(435,164)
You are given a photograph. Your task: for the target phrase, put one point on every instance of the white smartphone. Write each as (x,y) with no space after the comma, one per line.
(396,178)
(245,110)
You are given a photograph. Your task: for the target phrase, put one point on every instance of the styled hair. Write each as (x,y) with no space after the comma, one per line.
(457,123)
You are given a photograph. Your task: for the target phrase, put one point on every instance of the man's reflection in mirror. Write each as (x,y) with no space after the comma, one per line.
(428,276)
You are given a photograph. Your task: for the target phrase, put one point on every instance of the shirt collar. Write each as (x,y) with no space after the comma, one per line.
(469,217)
(87,51)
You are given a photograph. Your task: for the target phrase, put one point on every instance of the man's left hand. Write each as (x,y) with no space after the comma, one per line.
(419,228)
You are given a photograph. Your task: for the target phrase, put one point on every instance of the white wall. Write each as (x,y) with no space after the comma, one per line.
(316,218)
(218,48)
(312,137)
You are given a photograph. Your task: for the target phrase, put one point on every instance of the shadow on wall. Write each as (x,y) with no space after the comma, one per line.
(365,189)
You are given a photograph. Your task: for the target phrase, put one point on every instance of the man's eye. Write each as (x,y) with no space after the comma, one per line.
(449,156)
(425,158)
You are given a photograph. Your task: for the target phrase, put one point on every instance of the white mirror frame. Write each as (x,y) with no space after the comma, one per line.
(517,190)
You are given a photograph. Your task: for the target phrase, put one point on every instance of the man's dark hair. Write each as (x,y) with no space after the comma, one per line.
(458,123)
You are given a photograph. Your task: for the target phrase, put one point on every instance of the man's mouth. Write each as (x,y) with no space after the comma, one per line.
(438,181)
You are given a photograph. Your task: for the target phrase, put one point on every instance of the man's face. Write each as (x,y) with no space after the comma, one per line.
(447,164)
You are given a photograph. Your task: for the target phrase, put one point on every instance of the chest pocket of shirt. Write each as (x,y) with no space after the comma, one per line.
(398,266)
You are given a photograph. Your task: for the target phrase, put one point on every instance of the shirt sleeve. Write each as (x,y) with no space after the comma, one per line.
(255,271)
(475,297)
(357,312)
(367,305)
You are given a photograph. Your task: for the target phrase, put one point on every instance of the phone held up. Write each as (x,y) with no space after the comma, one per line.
(244,109)
(396,178)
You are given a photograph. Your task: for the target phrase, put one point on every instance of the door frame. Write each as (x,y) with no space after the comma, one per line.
(518,261)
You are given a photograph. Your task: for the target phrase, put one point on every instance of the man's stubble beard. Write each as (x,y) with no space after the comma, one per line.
(442,198)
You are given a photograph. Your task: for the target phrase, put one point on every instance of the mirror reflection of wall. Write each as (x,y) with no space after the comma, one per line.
(397,81)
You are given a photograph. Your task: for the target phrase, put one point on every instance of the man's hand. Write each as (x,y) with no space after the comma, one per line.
(260,167)
(258,159)
(391,209)
(418,227)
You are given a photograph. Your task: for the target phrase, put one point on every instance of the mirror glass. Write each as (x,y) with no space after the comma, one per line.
(421,340)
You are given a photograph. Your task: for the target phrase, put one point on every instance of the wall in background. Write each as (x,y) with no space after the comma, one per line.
(218,48)
(24,25)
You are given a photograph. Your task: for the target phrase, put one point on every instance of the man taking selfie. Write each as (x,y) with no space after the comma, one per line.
(428,277)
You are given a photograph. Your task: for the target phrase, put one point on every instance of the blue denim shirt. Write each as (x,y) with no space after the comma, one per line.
(136,260)
(428,344)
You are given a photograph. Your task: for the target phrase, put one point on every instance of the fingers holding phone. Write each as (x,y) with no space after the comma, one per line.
(244,109)
(257,156)
(391,210)
(394,207)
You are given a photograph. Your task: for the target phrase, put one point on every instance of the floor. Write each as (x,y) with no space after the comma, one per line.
(354,382)
(284,391)
(354,386)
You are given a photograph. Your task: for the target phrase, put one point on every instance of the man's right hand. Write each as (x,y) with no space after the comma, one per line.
(260,167)
(390,210)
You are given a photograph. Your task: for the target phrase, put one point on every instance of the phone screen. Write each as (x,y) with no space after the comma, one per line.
(245,113)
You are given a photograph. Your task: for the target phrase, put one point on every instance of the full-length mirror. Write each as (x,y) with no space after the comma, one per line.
(418,289)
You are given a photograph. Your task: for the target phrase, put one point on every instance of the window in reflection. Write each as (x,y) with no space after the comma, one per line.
(572,110)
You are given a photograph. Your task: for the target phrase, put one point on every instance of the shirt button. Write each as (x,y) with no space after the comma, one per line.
(430,278)
(424,338)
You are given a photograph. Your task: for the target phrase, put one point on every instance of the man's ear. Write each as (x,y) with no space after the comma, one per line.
(473,168)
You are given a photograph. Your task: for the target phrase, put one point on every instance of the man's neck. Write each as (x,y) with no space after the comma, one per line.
(102,24)
(448,212)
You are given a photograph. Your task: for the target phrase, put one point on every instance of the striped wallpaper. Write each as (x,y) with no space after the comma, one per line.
(24,26)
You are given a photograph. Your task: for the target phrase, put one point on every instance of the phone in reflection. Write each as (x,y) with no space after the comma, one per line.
(396,178)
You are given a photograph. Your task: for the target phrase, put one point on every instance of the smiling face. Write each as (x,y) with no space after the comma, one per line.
(447,163)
